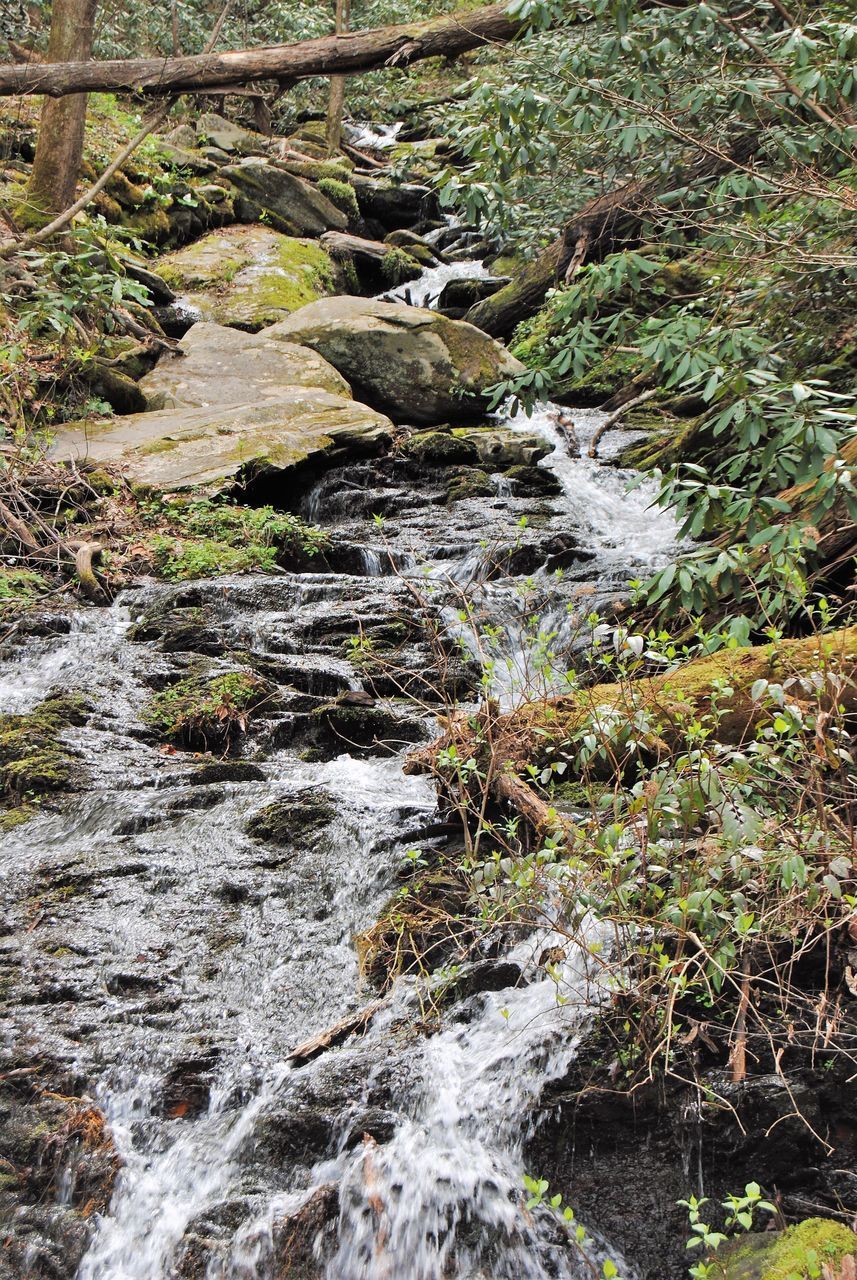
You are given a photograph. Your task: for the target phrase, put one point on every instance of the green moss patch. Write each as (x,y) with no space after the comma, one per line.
(341,194)
(20,589)
(207,712)
(33,758)
(200,538)
(798,1253)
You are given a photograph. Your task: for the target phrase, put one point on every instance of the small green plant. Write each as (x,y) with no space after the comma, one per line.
(740,1216)
(207,712)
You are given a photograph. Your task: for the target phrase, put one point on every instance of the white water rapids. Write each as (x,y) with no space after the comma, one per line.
(437,1195)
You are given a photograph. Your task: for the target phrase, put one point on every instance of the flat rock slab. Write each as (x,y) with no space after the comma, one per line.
(248,277)
(222,366)
(416,365)
(174,449)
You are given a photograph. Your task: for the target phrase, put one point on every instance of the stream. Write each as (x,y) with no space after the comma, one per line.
(180,959)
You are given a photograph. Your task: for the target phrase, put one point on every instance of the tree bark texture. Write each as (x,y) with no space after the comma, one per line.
(336,99)
(56,165)
(346,54)
(602,226)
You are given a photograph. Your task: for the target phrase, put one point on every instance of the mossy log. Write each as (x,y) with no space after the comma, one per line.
(536,730)
(602,226)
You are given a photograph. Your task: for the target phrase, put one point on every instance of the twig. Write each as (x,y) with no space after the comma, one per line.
(616,416)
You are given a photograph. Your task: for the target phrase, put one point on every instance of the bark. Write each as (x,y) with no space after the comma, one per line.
(537,730)
(59,149)
(602,226)
(336,100)
(328,55)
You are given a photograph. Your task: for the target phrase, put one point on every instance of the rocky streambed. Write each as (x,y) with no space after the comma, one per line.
(182,923)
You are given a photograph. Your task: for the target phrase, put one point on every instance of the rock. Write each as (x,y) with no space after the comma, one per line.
(502,447)
(248,277)
(174,449)
(158,288)
(183,135)
(183,158)
(376,264)
(292,205)
(439,449)
(222,366)
(765,1255)
(394,205)
(414,244)
(217,131)
(415,364)
(458,295)
(299,819)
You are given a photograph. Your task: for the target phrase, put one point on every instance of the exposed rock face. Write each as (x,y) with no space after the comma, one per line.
(174,449)
(292,205)
(248,277)
(394,205)
(415,364)
(223,366)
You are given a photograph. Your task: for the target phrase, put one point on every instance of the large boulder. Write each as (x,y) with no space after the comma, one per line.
(290,204)
(220,366)
(416,365)
(394,204)
(248,277)
(181,448)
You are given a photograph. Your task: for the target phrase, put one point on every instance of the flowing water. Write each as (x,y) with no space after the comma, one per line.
(196,955)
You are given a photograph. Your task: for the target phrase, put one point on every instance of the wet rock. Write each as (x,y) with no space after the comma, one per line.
(289,203)
(220,771)
(439,449)
(528,480)
(460,294)
(394,205)
(34,757)
(376,265)
(175,449)
(218,365)
(248,277)
(502,447)
(298,819)
(417,365)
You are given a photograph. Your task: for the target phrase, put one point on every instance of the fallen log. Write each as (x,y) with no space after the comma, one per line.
(346,54)
(534,732)
(604,225)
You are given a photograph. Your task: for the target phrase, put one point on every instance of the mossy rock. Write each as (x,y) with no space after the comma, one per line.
(420,927)
(533,481)
(342,194)
(798,1253)
(439,449)
(471,482)
(249,277)
(299,819)
(33,758)
(207,712)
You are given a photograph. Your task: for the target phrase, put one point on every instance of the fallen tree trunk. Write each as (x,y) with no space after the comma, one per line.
(605,224)
(534,732)
(346,54)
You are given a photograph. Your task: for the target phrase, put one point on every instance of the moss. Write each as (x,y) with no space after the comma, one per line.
(205,711)
(398,266)
(341,194)
(340,168)
(420,927)
(33,757)
(15,817)
(798,1253)
(297,819)
(200,539)
(20,589)
(439,449)
(125,192)
(470,482)
(149,224)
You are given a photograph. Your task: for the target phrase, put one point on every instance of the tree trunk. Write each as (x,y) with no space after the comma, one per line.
(602,226)
(347,54)
(59,148)
(336,101)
